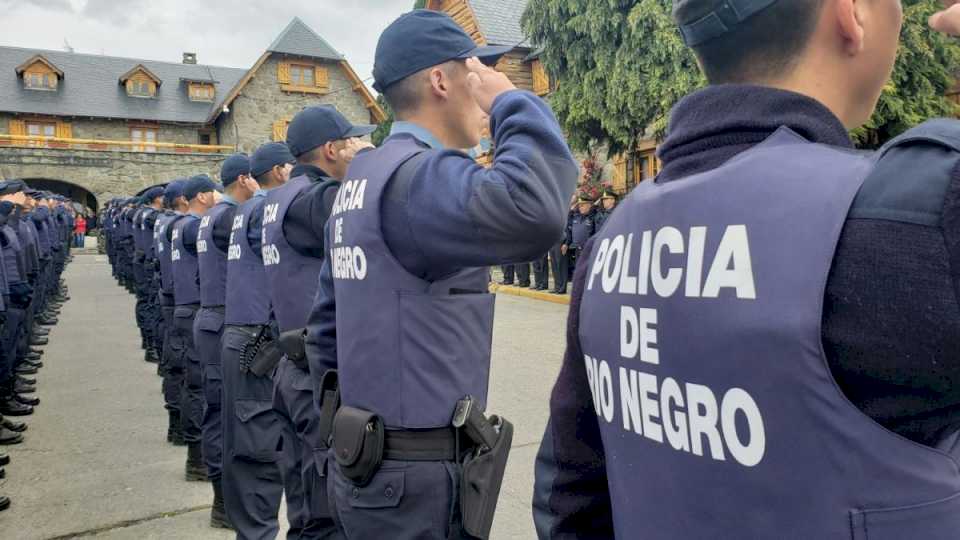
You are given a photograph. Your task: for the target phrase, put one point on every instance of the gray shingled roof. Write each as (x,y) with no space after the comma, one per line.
(300,40)
(499,21)
(91,88)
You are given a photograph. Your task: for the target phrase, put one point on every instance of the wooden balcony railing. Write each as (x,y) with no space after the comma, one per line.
(29,141)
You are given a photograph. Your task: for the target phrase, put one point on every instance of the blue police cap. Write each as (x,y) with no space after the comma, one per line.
(422,39)
(233,167)
(153,193)
(173,190)
(704,20)
(9,187)
(269,156)
(199,184)
(316,126)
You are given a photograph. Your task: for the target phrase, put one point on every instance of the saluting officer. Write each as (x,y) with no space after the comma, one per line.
(253,472)
(750,332)
(152,271)
(170,367)
(324,142)
(146,317)
(202,194)
(403,311)
(607,204)
(212,245)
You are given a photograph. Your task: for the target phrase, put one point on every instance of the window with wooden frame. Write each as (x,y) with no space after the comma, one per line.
(144,134)
(541,80)
(39,74)
(280,130)
(303,77)
(206,137)
(201,92)
(41,127)
(140,82)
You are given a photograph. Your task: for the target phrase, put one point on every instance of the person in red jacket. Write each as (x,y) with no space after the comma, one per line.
(79,231)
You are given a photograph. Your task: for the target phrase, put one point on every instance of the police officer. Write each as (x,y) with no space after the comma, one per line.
(202,194)
(295,215)
(170,366)
(581,225)
(212,245)
(146,315)
(403,310)
(151,270)
(765,364)
(607,204)
(253,472)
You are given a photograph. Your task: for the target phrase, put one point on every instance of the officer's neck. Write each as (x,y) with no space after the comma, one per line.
(437,123)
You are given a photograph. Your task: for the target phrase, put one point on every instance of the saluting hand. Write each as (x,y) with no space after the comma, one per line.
(351,148)
(486,83)
(947,20)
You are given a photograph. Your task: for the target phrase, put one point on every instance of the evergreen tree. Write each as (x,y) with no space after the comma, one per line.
(621,66)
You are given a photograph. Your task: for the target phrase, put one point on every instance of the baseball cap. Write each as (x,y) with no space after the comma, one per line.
(709,19)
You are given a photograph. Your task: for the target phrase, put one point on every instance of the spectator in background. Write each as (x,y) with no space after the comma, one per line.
(79,231)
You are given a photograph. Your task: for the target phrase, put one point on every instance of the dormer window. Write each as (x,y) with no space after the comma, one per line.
(140,82)
(39,74)
(201,92)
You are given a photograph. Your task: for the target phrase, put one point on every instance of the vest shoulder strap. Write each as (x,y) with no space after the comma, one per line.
(399,184)
(911,176)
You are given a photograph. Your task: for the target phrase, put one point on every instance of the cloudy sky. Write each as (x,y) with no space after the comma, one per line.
(230,33)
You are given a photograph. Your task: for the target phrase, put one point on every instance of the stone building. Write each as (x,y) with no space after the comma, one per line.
(498,22)
(93,127)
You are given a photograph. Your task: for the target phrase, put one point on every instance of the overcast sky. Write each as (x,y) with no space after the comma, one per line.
(231,33)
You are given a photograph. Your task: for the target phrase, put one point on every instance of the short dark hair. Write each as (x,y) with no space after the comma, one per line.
(764,46)
(405,95)
(264,178)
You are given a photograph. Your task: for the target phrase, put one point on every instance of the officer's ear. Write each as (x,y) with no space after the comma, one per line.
(849,16)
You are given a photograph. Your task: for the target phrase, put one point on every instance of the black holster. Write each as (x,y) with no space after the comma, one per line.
(329,404)
(358,437)
(266,360)
(292,344)
(483,471)
(251,350)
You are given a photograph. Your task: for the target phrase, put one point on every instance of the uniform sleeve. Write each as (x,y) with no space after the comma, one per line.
(304,222)
(222,228)
(255,228)
(571,498)
(190,232)
(568,231)
(321,340)
(514,211)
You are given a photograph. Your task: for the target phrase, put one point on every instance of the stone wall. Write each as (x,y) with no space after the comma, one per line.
(261,103)
(106,174)
(117,130)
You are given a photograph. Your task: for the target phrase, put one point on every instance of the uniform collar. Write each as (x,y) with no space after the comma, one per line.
(421,133)
(260,193)
(312,172)
(226,199)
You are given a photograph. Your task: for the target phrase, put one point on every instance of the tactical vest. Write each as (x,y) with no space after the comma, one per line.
(291,276)
(213,261)
(407,349)
(11,252)
(248,300)
(164,222)
(186,280)
(700,326)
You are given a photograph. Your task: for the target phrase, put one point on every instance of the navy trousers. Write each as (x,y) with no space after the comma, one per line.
(207,333)
(191,389)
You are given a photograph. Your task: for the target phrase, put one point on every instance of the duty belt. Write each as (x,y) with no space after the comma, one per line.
(421,445)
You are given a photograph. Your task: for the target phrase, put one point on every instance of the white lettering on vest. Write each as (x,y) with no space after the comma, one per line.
(270,212)
(271,255)
(348,263)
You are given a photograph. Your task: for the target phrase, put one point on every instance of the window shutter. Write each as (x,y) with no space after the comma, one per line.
(18,127)
(322,77)
(64,130)
(283,72)
(279,131)
(620,173)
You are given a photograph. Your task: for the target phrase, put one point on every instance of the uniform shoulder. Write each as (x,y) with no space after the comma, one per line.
(912,175)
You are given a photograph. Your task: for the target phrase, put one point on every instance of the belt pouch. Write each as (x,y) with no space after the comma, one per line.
(358,439)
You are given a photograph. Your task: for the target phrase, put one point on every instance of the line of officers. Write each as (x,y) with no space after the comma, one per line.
(322,317)
(35,238)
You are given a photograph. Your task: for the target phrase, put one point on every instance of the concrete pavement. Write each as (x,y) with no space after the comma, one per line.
(96,462)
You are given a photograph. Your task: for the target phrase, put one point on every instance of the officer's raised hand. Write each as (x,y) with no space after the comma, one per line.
(948,19)
(352,147)
(486,83)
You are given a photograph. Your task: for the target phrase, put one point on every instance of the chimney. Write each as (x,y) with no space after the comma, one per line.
(189,58)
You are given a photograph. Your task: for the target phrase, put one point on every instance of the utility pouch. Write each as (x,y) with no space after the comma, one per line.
(292,345)
(266,360)
(329,404)
(358,442)
(483,472)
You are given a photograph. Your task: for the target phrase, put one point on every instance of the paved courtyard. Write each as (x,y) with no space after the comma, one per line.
(96,462)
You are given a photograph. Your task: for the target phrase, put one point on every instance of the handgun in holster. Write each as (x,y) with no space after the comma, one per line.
(483,467)
(292,345)
(260,355)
